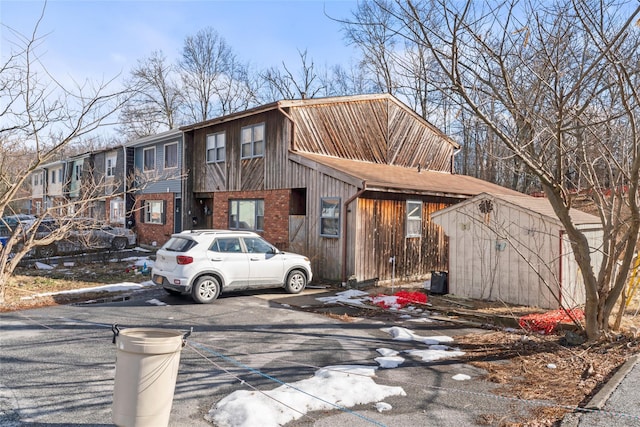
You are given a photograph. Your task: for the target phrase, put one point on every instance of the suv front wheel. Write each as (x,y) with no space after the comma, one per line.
(205,290)
(296,282)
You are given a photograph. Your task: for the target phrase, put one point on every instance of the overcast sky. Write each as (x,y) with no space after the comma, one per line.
(99,39)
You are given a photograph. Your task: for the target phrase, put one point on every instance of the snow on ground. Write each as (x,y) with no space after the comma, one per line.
(332,387)
(351,297)
(118,287)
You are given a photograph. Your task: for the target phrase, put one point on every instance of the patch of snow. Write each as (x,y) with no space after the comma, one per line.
(389,362)
(126,286)
(156,301)
(383,406)
(387,352)
(43,266)
(404,334)
(461,377)
(332,386)
(552,366)
(351,296)
(433,355)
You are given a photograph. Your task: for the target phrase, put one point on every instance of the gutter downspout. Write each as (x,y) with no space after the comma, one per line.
(453,161)
(125,196)
(345,228)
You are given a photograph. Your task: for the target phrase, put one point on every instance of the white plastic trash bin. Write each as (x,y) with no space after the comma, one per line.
(147,363)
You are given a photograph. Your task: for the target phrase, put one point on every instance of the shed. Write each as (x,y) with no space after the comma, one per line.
(513,248)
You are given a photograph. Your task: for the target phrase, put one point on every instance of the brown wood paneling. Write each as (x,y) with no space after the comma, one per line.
(381,235)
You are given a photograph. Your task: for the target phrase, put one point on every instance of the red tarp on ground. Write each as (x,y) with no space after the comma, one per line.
(400,299)
(546,323)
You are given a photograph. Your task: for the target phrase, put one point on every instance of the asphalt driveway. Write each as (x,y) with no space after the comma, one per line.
(57,364)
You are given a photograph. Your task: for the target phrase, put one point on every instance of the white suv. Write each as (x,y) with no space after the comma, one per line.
(205,263)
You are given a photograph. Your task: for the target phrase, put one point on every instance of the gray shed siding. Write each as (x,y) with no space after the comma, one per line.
(511,254)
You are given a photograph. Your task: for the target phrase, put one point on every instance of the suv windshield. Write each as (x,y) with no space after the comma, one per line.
(179,244)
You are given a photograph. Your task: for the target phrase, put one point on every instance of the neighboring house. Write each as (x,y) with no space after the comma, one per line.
(514,249)
(48,187)
(350,182)
(37,191)
(93,182)
(158,171)
(108,177)
(55,186)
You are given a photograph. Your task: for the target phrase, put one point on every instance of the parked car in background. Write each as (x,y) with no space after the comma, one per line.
(85,234)
(205,263)
(9,222)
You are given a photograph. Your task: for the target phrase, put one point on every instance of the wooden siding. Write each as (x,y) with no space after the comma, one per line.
(381,234)
(354,130)
(412,144)
(378,131)
(325,253)
(237,174)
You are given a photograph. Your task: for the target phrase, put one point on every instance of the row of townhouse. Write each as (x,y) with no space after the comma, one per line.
(351,182)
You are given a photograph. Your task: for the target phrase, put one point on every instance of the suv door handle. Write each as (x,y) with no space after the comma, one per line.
(254,259)
(216,259)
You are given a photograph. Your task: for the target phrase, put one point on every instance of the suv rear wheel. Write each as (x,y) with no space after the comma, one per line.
(205,290)
(296,282)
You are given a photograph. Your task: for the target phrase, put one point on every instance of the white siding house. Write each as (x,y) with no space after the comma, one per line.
(514,249)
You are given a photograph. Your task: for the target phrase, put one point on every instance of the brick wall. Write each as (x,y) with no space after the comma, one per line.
(149,233)
(276,213)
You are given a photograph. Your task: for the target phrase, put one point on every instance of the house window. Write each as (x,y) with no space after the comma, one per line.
(78,172)
(414,218)
(149,159)
(111,166)
(38,208)
(246,214)
(253,141)
(215,147)
(116,211)
(171,155)
(330,217)
(53,177)
(154,211)
(59,175)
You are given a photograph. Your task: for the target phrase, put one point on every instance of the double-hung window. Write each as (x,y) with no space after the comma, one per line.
(53,177)
(246,214)
(330,217)
(171,155)
(414,218)
(215,147)
(252,141)
(154,211)
(111,167)
(149,159)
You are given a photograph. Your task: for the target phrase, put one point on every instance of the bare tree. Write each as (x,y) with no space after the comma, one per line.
(40,113)
(286,84)
(556,83)
(157,98)
(214,81)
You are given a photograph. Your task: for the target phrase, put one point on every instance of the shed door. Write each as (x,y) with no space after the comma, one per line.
(298,234)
